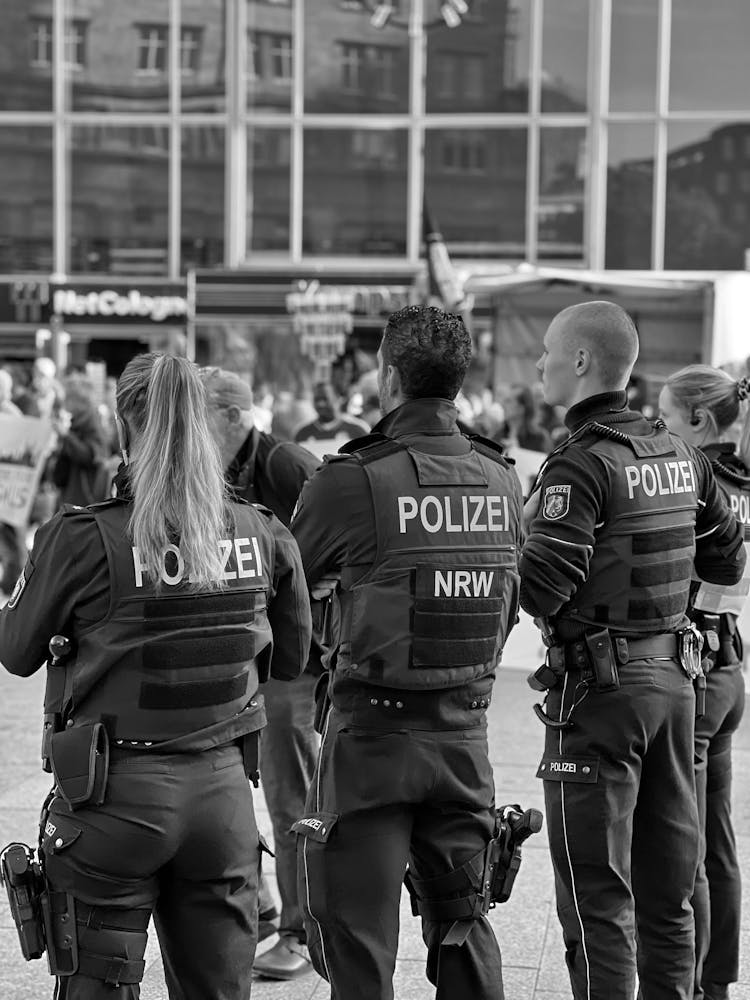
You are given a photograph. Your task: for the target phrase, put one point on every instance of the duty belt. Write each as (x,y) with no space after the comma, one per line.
(665,646)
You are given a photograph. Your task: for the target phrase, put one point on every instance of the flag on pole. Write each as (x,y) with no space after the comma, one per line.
(444,283)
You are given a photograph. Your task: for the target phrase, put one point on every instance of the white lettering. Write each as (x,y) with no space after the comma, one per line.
(172,579)
(256,550)
(648,488)
(225,547)
(437,524)
(475,523)
(407,511)
(562,765)
(482,582)
(244,559)
(108,302)
(461,580)
(314,824)
(443,583)
(634,477)
(688,476)
(495,519)
(139,567)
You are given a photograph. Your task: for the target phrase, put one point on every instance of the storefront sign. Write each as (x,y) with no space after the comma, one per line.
(120,303)
(24,301)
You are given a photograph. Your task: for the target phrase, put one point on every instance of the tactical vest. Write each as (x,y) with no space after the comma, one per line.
(730,600)
(641,566)
(168,663)
(435,607)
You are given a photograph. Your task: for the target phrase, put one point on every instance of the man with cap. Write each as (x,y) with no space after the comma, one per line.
(260,468)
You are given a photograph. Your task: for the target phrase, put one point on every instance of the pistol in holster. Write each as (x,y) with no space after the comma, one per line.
(503,856)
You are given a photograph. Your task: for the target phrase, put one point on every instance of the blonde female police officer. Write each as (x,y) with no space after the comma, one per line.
(701,404)
(176,603)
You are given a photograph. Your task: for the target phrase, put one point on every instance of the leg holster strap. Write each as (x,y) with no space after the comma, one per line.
(455,896)
(108,918)
(112,971)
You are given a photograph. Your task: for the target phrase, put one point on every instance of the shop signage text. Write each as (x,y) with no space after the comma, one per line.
(126,304)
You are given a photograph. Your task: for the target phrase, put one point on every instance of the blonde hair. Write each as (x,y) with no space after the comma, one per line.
(715,391)
(176,474)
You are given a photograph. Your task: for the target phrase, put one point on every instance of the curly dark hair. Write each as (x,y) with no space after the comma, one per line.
(429,348)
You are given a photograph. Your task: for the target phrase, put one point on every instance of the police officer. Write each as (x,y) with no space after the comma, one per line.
(621,511)
(176,603)
(701,404)
(421,525)
(262,469)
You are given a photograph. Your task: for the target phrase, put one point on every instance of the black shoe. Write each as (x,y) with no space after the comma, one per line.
(288,959)
(268,923)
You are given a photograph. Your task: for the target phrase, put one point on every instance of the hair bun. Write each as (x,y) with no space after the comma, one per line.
(743,387)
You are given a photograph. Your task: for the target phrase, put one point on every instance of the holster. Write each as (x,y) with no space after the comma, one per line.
(250,747)
(80,763)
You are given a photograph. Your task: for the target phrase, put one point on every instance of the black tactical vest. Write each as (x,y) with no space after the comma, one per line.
(434,609)
(163,665)
(734,482)
(641,566)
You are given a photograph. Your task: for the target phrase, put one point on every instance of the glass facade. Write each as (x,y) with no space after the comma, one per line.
(155,136)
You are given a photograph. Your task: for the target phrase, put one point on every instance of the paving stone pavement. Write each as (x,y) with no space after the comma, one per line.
(526,926)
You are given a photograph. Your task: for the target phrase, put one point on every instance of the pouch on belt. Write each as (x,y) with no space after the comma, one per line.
(80,763)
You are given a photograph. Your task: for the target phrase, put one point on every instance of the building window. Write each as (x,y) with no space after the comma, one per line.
(727,148)
(722,182)
(190,50)
(280,52)
(42,43)
(463,153)
(473,77)
(153,40)
(371,149)
(460,74)
(352,61)
(447,73)
(367,68)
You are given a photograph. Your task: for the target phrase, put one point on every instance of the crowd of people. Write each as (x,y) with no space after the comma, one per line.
(238,605)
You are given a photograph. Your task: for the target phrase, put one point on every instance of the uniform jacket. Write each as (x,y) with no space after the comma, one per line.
(388,519)
(583,488)
(170,665)
(270,471)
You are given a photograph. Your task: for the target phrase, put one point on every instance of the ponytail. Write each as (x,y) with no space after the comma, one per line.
(743,446)
(176,474)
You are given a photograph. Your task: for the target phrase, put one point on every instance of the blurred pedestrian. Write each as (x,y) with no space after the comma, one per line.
(418,527)
(80,470)
(260,468)
(621,510)
(522,428)
(332,427)
(177,603)
(7,406)
(701,404)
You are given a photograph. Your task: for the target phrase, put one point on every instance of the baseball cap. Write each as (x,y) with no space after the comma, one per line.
(225,388)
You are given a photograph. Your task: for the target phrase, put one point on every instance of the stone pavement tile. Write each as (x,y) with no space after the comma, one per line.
(20,980)
(553,973)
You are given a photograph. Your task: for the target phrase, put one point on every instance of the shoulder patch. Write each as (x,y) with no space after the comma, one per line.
(15,596)
(556,502)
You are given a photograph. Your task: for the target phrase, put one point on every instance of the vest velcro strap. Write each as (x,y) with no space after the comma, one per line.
(112,971)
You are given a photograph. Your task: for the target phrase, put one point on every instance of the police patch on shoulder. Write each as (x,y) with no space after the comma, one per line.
(556,502)
(15,596)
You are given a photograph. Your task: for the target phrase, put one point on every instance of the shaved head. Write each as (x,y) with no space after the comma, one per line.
(589,348)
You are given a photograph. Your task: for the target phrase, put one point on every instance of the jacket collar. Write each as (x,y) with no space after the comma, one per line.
(601,403)
(419,416)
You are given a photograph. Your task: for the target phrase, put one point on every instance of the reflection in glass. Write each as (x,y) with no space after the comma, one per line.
(483,64)
(351,66)
(202,219)
(119,198)
(26,55)
(707,175)
(709,67)
(268,55)
(355,192)
(203,51)
(117,56)
(562,171)
(630,181)
(565,35)
(25,199)
(633,55)
(268,179)
(475,183)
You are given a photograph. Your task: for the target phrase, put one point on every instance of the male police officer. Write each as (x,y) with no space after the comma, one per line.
(422,526)
(261,469)
(621,511)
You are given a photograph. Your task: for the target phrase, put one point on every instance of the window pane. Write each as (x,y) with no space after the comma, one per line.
(119,198)
(268,179)
(202,220)
(351,66)
(269,55)
(630,179)
(475,184)
(565,55)
(633,55)
(117,57)
(483,64)
(562,170)
(355,192)
(25,199)
(710,68)
(203,50)
(25,58)
(705,186)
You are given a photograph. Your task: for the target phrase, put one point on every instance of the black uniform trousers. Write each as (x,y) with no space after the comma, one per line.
(717,900)
(175,836)
(380,799)
(623,830)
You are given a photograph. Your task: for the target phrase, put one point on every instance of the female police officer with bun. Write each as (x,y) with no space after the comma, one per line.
(701,404)
(177,603)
